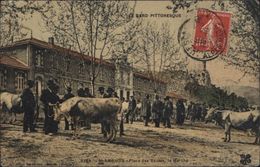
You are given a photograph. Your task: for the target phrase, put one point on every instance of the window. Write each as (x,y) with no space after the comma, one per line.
(128,78)
(122,77)
(20,81)
(2,79)
(101,73)
(67,63)
(81,68)
(39,58)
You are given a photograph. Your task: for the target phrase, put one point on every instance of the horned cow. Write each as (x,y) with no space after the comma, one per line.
(10,104)
(94,110)
(238,120)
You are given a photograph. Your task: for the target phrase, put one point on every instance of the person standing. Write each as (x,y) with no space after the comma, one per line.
(180,112)
(104,124)
(156,109)
(87,93)
(67,96)
(122,116)
(28,107)
(146,110)
(49,96)
(101,91)
(167,112)
(131,110)
(109,93)
(81,92)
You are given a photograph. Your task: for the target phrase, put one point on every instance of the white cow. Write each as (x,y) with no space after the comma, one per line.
(10,104)
(93,110)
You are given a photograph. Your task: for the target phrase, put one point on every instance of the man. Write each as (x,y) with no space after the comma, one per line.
(101,92)
(156,109)
(122,115)
(180,112)
(109,93)
(131,110)
(49,96)
(146,110)
(167,112)
(67,96)
(81,92)
(29,104)
(104,125)
(87,93)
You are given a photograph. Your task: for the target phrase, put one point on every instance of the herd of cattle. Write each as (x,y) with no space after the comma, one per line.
(109,110)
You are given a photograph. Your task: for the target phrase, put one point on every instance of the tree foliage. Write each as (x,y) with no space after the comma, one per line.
(12,13)
(244,36)
(157,51)
(90,27)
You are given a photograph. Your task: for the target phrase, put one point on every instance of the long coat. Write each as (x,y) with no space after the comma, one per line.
(180,112)
(146,108)
(167,109)
(28,101)
(156,109)
(50,126)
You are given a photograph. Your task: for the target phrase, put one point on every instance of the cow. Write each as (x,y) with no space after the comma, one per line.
(238,120)
(93,110)
(10,104)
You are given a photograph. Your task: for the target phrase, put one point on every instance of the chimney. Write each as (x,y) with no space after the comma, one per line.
(51,40)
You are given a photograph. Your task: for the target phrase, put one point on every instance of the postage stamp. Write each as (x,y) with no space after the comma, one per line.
(212,30)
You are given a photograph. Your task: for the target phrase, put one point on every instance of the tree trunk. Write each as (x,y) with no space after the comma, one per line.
(93,87)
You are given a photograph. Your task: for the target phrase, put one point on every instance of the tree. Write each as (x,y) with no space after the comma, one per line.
(12,13)
(90,27)
(157,51)
(244,37)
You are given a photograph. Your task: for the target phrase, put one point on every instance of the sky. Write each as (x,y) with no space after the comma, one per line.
(221,74)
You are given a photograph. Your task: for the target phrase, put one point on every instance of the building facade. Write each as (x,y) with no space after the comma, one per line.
(40,61)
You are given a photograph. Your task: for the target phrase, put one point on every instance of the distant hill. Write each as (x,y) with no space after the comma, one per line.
(251,93)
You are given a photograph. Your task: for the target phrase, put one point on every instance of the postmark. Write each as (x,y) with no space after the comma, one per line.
(210,37)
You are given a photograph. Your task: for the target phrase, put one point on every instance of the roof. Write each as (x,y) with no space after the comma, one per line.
(47,45)
(12,62)
(73,53)
(145,76)
(174,95)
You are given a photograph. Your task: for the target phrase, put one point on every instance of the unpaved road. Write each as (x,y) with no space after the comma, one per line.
(189,145)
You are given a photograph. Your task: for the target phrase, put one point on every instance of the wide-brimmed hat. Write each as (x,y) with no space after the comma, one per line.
(30,82)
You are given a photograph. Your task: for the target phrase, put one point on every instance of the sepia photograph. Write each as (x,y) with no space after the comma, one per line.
(126,83)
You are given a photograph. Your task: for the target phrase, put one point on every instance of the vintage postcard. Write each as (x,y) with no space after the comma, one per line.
(129,83)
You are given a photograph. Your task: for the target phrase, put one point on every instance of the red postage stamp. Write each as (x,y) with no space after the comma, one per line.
(212,30)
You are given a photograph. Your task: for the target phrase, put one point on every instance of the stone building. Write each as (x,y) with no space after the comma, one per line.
(40,61)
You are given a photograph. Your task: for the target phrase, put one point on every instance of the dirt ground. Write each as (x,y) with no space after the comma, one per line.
(188,145)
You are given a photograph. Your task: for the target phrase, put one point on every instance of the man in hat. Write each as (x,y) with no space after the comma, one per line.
(29,104)
(131,110)
(180,108)
(67,96)
(49,96)
(101,91)
(81,92)
(109,93)
(167,112)
(156,111)
(87,93)
(104,125)
(146,110)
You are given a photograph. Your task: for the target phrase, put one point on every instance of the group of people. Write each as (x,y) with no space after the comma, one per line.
(157,110)
(196,112)
(50,96)
(161,111)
